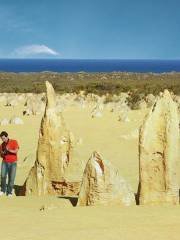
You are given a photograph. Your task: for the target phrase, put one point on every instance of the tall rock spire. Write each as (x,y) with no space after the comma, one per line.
(159,153)
(52,158)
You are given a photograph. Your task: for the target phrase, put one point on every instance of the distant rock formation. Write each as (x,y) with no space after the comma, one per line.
(16,121)
(53,156)
(4,122)
(34,104)
(150,100)
(158,153)
(123,116)
(11,100)
(102,185)
(140,105)
(97,111)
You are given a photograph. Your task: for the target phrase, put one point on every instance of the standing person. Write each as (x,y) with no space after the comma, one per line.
(8,150)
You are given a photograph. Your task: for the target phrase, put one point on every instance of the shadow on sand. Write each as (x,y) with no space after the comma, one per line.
(20,191)
(73,200)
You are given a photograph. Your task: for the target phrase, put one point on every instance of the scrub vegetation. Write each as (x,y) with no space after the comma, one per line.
(98,83)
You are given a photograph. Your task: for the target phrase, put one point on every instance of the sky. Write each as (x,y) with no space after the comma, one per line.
(90,29)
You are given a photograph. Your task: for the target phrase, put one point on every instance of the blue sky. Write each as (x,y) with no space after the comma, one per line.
(124,29)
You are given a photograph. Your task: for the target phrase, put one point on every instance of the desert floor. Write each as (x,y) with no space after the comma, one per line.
(37,218)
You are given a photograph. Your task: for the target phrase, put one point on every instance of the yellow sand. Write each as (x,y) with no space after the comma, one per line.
(49,218)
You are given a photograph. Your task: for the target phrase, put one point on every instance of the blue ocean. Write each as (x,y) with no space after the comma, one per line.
(90,65)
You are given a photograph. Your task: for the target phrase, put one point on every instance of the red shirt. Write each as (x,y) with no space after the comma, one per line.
(11,145)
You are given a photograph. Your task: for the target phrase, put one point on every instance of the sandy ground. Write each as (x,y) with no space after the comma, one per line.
(55,218)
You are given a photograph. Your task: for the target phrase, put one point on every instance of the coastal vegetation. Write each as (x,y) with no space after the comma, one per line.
(98,83)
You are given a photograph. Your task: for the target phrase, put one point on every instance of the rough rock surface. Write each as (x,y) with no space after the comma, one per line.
(158,153)
(102,185)
(52,156)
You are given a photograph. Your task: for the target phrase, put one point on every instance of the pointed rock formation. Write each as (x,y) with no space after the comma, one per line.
(102,185)
(158,153)
(52,157)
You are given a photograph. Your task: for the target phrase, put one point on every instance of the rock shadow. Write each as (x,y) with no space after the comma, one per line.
(19,190)
(73,200)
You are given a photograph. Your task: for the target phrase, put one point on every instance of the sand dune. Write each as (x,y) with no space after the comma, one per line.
(54,217)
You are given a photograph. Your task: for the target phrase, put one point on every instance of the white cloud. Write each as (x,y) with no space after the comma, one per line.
(34,51)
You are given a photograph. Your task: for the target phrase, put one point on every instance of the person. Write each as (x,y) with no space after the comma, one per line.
(8,151)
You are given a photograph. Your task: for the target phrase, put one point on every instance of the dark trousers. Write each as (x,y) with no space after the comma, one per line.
(8,169)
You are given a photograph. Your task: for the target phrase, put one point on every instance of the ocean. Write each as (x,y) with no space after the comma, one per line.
(90,65)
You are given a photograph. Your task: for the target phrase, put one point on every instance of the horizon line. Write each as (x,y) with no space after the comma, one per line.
(121,59)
